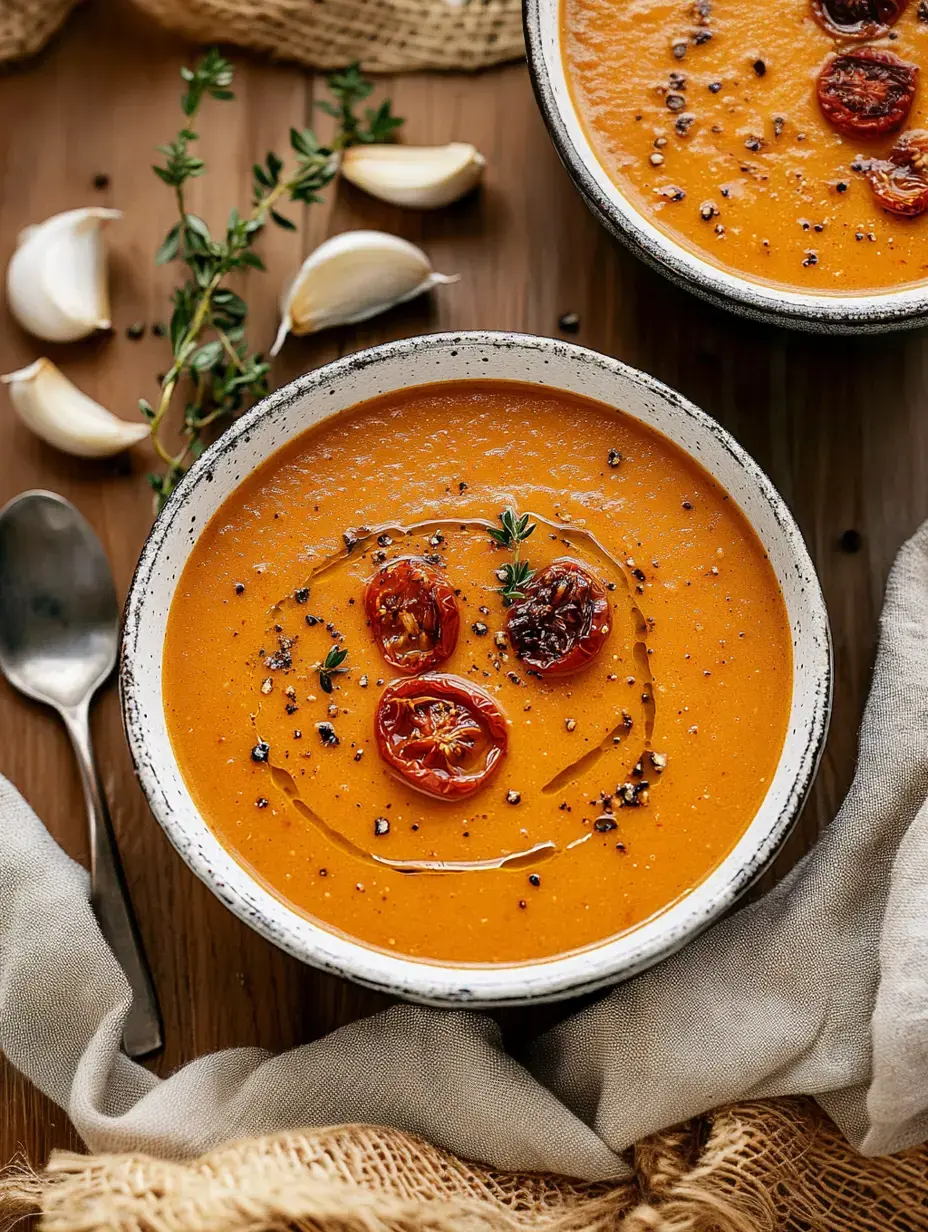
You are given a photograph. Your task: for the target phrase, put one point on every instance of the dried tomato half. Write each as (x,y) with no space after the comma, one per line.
(900,185)
(858,19)
(413,614)
(866,93)
(440,734)
(562,622)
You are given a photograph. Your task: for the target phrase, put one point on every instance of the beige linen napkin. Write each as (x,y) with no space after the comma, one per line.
(820,988)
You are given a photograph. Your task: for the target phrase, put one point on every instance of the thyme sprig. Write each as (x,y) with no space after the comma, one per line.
(207,331)
(513,577)
(513,532)
(331,666)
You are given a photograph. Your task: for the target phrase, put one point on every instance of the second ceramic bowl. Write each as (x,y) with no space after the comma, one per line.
(828,314)
(399,365)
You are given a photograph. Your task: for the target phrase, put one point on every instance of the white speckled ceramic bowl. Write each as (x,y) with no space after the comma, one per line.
(827,314)
(399,365)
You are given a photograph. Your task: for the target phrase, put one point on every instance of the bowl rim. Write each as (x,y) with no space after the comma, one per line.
(433,983)
(873,312)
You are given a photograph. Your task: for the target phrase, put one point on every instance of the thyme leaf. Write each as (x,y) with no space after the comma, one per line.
(331,666)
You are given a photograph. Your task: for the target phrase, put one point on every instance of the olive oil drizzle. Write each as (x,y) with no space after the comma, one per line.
(543,851)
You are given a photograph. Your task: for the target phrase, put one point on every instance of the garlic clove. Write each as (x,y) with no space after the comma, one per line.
(424,177)
(352,277)
(56,410)
(56,280)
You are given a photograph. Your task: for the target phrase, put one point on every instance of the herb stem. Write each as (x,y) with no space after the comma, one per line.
(226,377)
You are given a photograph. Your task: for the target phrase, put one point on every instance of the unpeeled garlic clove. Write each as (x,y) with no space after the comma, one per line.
(352,277)
(56,279)
(424,177)
(56,410)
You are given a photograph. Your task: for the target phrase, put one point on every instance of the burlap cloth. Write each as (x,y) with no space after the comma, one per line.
(778,1165)
(820,988)
(386,36)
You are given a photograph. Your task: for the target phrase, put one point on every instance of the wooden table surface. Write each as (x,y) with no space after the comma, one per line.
(840,426)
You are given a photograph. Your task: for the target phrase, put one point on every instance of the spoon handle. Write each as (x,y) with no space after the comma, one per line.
(109,897)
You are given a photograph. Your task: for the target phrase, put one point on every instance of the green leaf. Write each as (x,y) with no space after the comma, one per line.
(336,656)
(231,304)
(205,356)
(282,221)
(169,245)
(148,411)
(196,224)
(303,142)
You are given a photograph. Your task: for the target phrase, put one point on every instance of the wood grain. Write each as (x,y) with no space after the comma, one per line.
(839,425)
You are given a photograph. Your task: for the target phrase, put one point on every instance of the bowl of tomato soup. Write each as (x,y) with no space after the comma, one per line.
(477,668)
(773,159)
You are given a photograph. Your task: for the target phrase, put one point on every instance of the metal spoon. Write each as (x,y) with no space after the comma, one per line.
(59,632)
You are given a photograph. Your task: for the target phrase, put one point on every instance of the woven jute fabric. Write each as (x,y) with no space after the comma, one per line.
(388,36)
(768,1166)
(27,25)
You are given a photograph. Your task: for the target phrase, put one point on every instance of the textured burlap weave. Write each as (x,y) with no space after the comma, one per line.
(27,25)
(388,36)
(776,1166)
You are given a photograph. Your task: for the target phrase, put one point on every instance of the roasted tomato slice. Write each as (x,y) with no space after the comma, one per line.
(441,734)
(562,622)
(900,185)
(413,615)
(858,19)
(866,93)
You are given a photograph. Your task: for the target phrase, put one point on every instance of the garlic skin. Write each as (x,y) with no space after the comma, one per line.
(422,177)
(56,410)
(352,277)
(56,279)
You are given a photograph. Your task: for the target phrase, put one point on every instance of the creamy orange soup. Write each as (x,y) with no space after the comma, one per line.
(622,785)
(707,118)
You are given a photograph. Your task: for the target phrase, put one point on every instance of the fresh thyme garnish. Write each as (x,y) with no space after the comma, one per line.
(513,578)
(331,666)
(515,530)
(225,377)
(513,533)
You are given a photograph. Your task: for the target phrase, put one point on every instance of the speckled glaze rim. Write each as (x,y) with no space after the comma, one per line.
(496,356)
(825,314)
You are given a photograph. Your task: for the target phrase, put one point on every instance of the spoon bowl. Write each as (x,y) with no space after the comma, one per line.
(59,620)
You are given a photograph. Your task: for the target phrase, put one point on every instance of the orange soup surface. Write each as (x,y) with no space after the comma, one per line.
(706,116)
(622,784)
